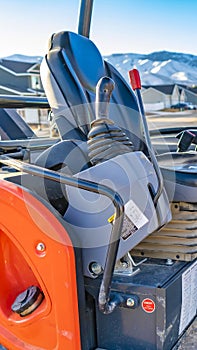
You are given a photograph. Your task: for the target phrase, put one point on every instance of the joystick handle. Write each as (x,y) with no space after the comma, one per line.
(104,90)
(105,139)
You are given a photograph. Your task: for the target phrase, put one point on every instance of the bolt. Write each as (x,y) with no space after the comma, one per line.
(40,247)
(124,265)
(169,262)
(130,302)
(96,268)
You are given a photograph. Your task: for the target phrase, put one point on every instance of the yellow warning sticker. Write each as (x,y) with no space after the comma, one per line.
(111,219)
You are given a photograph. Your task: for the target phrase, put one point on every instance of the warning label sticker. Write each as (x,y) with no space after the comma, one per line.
(134,219)
(189,296)
(148,305)
(128,228)
(135,214)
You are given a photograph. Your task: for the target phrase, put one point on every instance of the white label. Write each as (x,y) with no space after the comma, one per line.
(128,228)
(134,219)
(189,296)
(135,214)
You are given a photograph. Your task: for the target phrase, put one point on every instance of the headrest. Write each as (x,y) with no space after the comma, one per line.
(83,55)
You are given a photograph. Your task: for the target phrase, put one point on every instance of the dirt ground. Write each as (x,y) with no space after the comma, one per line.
(156,120)
(159,120)
(189,339)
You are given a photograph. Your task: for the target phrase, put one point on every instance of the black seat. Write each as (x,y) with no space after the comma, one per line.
(70,72)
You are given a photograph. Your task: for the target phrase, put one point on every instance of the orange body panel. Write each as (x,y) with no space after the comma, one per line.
(25,222)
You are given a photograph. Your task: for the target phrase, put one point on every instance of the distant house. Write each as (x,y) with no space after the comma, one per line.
(157,97)
(22,78)
(189,94)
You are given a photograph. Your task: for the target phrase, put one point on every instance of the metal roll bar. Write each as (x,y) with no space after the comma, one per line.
(11,101)
(106,305)
(85,16)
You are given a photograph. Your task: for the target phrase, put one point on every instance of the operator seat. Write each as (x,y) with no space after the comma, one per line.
(70,72)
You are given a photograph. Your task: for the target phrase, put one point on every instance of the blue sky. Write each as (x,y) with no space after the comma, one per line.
(141,26)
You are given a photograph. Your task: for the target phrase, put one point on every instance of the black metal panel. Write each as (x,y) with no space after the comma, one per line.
(13,127)
(135,329)
(169,314)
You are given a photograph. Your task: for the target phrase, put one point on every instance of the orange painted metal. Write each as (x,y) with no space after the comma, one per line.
(24,223)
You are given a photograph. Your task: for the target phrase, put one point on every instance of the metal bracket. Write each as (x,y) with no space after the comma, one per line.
(126,265)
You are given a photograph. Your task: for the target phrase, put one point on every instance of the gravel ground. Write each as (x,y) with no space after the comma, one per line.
(189,339)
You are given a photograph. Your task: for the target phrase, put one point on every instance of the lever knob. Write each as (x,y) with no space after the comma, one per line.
(135,79)
(104,90)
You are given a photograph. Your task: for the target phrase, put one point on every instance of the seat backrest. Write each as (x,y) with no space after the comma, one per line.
(70,72)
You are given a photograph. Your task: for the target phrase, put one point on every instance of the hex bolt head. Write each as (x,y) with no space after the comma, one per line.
(130,302)
(95,268)
(124,264)
(40,247)
(169,262)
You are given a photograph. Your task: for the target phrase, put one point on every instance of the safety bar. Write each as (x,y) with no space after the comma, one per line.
(10,101)
(85,16)
(106,305)
(32,144)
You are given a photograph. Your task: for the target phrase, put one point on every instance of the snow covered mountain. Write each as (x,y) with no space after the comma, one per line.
(158,68)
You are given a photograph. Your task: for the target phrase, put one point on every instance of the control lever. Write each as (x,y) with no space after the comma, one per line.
(136,86)
(186,138)
(105,139)
(104,89)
